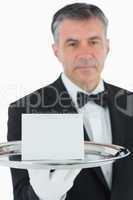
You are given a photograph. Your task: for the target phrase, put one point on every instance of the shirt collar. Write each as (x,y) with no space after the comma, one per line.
(72,88)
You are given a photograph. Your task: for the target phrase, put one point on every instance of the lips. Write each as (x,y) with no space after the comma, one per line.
(83,66)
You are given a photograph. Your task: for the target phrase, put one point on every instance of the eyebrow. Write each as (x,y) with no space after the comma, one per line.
(94,38)
(71,40)
(76,40)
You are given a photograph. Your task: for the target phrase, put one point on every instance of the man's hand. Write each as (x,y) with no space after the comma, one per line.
(52,185)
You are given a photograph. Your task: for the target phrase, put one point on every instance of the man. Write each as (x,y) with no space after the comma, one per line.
(81,45)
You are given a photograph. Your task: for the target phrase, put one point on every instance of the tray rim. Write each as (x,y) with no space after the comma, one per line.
(50,164)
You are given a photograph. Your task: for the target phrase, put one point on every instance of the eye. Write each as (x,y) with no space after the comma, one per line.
(72,44)
(94,42)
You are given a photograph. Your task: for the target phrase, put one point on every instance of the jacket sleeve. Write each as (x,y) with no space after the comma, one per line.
(22,190)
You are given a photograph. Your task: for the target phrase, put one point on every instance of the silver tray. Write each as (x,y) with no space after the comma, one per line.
(95,155)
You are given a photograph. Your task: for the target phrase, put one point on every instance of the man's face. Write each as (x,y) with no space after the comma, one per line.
(82,48)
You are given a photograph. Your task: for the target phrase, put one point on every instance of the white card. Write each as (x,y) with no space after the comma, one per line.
(52,136)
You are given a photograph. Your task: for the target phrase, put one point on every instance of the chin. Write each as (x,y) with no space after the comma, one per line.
(87,80)
(87,77)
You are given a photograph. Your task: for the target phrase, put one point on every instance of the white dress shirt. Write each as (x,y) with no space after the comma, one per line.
(96,120)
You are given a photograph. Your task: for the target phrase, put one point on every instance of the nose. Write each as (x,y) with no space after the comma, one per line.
(85,51)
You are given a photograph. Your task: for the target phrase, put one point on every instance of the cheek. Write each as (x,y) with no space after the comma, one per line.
(101,56)
(68,61)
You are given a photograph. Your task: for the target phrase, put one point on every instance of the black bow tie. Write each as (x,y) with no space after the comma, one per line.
(100,98)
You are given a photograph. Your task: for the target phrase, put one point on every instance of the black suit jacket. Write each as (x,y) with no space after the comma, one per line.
(90,183)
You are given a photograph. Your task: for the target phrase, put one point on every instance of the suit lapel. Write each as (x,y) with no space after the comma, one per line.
(118,128)
(116,117)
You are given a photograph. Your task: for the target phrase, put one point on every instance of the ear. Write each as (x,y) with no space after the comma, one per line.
(55,49)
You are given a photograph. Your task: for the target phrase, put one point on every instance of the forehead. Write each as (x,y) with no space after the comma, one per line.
(81,28)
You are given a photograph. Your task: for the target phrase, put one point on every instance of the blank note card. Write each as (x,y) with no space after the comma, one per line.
(52,136)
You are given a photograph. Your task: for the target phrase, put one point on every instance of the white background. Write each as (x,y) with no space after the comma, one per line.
(27,61)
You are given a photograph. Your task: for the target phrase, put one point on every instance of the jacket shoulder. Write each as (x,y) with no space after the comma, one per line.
(41,97)
(114,88)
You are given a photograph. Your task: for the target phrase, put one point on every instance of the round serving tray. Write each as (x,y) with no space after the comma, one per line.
(95,155)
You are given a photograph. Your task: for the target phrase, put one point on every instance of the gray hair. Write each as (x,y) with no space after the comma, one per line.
(77,11)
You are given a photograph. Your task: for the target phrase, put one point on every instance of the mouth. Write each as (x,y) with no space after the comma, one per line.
(84,67)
